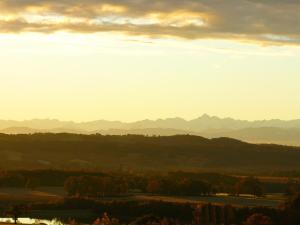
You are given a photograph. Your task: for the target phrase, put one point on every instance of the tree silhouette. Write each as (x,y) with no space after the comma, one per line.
(258,219)
(249,185)
(292,210)
(15,212)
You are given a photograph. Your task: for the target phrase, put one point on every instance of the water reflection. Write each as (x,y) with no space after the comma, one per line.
(32,221)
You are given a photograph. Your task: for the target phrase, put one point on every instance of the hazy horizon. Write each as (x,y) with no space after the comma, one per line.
(152,119)
(127,93)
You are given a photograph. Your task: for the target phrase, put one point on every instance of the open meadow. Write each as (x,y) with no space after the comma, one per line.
(52,194)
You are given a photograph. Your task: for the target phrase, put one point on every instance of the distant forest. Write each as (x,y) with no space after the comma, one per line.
(142,153)
(102,184)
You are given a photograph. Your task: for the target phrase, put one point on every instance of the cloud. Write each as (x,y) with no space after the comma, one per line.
(261,21)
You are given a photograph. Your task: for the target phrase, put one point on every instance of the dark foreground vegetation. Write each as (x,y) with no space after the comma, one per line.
(162,213)
(139,153)
(94,193)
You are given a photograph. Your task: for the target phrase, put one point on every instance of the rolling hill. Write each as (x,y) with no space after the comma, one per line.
(186,152)
(271,135)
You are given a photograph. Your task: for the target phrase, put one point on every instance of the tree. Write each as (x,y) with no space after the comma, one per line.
(213,215)
(249,185)
(153,186)
(293,187)
(292,210)
(32,183)
(229,215)
(15,212)
(106,220)
(238,187)
(70,186)
(206,217)
(197,214)
(258,219)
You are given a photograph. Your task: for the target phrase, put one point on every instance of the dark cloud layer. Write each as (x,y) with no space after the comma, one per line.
(263,21)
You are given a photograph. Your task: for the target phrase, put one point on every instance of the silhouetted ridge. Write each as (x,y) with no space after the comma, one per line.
(69,151)
(227,141)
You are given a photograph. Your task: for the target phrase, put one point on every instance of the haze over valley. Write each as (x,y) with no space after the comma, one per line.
(261,131)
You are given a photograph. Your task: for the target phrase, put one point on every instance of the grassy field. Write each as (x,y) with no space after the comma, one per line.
(268,201)
(26,195)
(45,194)
(273,179)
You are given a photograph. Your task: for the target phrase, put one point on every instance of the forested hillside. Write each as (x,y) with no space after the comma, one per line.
(134,152)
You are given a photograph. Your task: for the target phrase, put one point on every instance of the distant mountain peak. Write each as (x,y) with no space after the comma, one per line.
(205,116)
(201,123)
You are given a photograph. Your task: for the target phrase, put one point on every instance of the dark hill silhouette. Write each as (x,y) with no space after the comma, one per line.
(282,136)
(184,152)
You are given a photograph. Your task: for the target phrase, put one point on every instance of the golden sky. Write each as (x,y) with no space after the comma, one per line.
(136,59)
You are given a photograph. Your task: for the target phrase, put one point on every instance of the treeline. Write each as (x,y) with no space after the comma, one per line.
(97,184)
(93,186)
(36,178)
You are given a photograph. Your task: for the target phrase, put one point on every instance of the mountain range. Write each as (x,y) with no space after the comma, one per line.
(260,131)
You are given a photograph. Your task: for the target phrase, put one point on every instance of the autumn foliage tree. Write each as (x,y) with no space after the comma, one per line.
(258,219)
(292,210)
(249,185)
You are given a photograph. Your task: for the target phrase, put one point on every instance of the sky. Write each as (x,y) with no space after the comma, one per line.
(135,59)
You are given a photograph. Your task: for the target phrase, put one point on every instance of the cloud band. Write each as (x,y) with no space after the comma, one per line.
(263,21)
